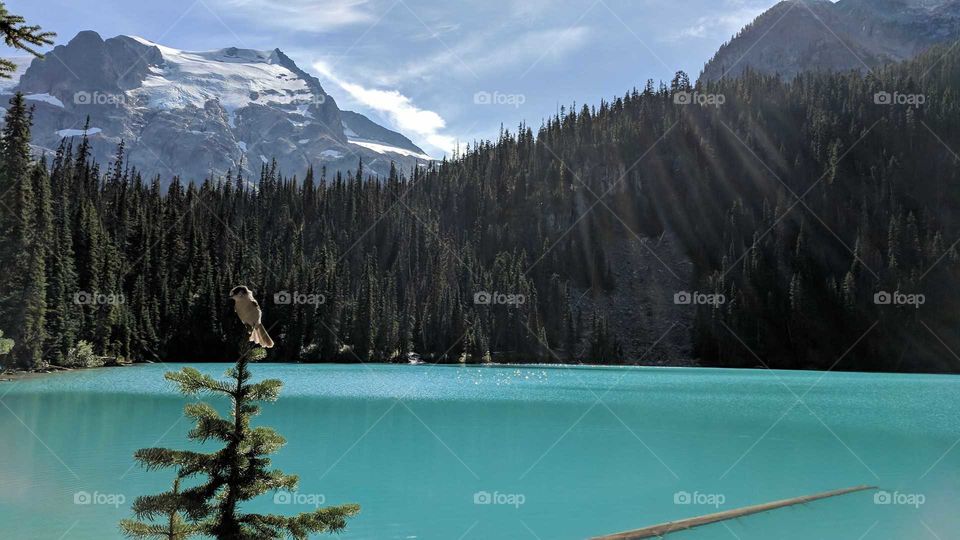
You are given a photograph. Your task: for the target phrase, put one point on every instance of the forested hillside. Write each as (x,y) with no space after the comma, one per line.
(798,201)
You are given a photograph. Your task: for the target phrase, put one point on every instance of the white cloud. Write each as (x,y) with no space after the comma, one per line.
(544,45)
(530,8)
(466,67)
(405,116)
(304,15)
(492,53)
(723,25)
(435,31)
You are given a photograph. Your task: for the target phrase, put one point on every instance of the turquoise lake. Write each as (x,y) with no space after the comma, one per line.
(514,453)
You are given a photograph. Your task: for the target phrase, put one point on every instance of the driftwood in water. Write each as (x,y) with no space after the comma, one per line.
(689,523)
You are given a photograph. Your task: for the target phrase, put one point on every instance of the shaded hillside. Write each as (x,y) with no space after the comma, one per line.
(796,36)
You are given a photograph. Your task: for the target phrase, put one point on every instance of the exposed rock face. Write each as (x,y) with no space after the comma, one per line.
(196,114)
(809,35)
(651,327)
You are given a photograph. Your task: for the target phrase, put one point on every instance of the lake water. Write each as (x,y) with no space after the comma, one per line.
(514,453)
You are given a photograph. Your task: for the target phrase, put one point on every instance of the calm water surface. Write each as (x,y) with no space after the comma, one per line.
(569,452)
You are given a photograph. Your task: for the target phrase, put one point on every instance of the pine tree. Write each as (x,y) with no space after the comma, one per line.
(14,167)
(23,281)
(236,473)
(604,348)
(63,321)
(173,526)
(18,35)
(33,335)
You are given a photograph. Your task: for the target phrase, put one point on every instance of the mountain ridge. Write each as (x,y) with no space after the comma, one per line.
(200,113)
(795,36)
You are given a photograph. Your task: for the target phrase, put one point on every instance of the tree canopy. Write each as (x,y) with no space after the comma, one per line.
(799,201)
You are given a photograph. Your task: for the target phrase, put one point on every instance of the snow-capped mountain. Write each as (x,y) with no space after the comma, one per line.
(194,114)
(808,35)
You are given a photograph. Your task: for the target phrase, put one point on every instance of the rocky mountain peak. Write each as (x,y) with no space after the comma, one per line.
(200,113)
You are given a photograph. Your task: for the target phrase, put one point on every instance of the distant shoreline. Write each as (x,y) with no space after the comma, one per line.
(12,375)
(18,375)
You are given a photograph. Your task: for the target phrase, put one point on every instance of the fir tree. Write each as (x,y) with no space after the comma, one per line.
(22,244)
(173,526)
(34,285)
(236,473)
(18,35)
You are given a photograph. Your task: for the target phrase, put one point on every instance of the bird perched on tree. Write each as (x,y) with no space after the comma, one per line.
(249,312)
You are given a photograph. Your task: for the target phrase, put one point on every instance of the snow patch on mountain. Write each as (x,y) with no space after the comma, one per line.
(62,133)
(46,98)
(381,148)
(236,78)
(364,132)
(200,113)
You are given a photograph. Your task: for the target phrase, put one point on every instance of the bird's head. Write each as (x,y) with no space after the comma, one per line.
(239,292)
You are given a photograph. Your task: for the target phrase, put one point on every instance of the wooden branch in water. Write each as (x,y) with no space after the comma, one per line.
(689,523)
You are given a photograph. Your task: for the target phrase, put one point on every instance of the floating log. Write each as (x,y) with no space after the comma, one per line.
(689,523)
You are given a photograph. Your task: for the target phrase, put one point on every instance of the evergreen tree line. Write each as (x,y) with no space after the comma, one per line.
(798,200)
(18,35)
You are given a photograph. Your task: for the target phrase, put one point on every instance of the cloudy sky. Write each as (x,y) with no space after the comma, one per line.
(441,72)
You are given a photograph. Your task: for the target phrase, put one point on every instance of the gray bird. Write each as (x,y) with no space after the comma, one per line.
(249,312)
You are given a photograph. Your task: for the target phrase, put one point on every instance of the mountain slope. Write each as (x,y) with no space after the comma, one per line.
(199,113)
(362,131)
(810,35)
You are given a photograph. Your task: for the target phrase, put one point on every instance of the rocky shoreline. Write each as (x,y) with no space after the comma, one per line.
(10,375)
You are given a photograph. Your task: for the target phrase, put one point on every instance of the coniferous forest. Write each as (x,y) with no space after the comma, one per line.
(799,201)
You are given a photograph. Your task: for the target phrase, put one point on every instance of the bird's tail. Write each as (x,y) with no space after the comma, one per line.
(261,337)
